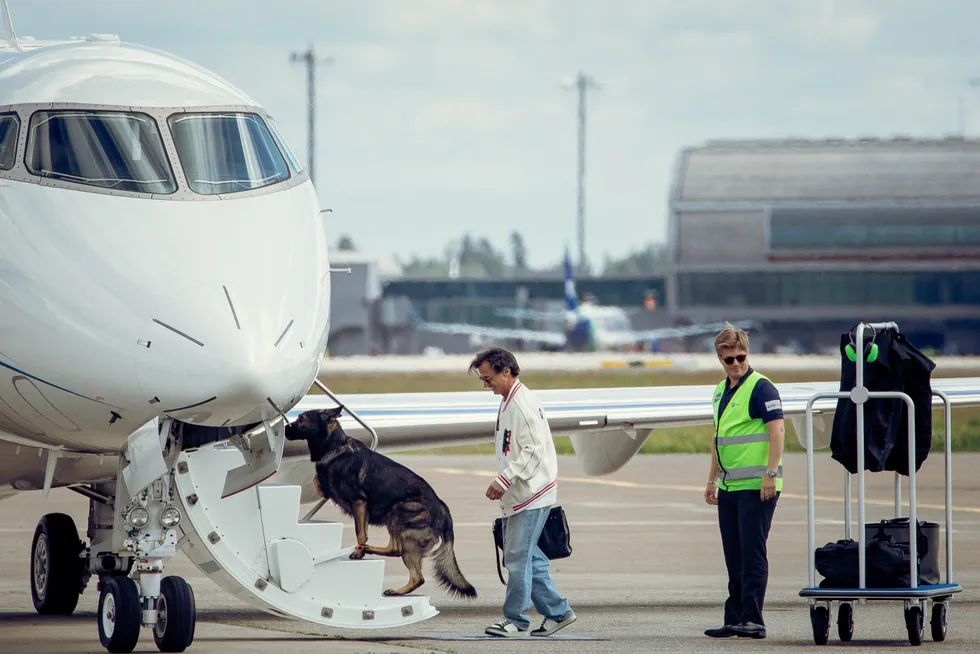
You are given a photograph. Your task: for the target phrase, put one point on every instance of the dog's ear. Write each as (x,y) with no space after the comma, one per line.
(331,414)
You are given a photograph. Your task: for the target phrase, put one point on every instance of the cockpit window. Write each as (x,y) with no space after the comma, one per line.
(117,150)
(294,163)
(9,128)
(226,152)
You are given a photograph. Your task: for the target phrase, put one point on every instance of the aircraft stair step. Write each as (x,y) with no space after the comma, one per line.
(255,546)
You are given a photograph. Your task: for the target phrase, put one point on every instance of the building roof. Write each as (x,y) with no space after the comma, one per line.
(866,169)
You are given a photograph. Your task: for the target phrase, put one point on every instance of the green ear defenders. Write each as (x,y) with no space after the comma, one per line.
(870,347)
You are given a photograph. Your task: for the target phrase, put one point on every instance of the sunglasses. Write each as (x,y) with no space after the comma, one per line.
(730,360)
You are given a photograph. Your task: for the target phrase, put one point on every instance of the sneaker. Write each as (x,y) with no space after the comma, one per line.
(749,630)
(549,626)
(720,632)
(505,628)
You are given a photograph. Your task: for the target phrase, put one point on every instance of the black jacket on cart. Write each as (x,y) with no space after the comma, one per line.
(899,367)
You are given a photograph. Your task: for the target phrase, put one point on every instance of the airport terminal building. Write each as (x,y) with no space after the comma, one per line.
(810,236)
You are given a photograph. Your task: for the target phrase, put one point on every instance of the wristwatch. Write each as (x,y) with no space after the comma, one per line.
(771,474)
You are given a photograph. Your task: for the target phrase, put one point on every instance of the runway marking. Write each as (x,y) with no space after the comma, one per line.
(700,489)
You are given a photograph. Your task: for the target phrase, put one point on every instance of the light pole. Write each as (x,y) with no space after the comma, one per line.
(309,58)
(582,83)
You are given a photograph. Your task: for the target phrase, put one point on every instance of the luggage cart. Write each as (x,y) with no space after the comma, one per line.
(914,597)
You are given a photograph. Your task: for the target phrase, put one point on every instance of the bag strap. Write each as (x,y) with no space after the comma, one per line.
(496,552)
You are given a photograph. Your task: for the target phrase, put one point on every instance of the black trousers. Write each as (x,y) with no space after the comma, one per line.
(744,520)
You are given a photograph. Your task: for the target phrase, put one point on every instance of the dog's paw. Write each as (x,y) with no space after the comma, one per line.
(390,592)
(357,554)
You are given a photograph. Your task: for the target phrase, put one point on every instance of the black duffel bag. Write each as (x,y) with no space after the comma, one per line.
(555,540)
(886,564)
(927,543)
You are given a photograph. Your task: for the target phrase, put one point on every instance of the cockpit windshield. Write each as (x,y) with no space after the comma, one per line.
(295,163)
(226,152)
(122,151)
(9,127)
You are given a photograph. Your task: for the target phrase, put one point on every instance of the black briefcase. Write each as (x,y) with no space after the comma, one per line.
(555,541)
(928,543)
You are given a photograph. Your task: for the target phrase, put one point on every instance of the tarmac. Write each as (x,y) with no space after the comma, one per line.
(646,573)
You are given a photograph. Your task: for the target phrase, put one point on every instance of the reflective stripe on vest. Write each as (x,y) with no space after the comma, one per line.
(742,440)
(749,472)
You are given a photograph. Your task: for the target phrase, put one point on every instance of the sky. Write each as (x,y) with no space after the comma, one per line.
(439,117)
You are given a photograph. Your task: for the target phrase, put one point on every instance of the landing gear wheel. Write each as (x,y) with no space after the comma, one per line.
(914,623)
(176,615)
(120,615)
(56,568)
(845,622)
(938,622)
(820,619)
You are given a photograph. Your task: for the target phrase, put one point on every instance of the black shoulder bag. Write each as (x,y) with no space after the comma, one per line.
(555,541)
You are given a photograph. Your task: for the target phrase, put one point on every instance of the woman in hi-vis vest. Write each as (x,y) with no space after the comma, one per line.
(744,480)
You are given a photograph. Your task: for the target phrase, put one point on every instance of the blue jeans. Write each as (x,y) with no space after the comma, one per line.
(529,575)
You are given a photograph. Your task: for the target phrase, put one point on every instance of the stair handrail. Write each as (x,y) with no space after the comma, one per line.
(369,428)
(328,392)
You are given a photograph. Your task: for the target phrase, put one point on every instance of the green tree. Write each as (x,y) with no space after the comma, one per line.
(518,251)
(651,260)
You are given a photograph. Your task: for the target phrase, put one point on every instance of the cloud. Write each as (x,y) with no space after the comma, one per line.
(835,22)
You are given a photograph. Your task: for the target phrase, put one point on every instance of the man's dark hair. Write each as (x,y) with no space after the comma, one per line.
(498,358)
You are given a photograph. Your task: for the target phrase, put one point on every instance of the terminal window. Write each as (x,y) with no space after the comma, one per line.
(829,288)
(874,229)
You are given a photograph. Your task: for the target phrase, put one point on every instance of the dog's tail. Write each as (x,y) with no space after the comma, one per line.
(444,562)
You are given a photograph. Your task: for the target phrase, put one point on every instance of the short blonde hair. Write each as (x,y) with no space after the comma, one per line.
(733,337)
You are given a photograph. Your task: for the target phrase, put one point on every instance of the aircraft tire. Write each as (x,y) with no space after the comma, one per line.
(176,617)
(120,615)
(57,569)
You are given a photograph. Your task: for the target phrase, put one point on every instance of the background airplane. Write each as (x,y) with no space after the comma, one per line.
(580,327)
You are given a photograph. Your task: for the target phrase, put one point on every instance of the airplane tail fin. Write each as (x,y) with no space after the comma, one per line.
(8,26)
(571,302)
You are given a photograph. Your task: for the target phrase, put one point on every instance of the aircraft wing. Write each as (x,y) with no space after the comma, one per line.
(633,336)
(531,314)
(607,425)
(555,338)
(416,420)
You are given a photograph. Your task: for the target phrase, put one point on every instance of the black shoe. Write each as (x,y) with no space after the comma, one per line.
(720,632)
(749,630)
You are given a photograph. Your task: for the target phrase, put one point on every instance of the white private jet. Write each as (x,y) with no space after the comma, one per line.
(164,294)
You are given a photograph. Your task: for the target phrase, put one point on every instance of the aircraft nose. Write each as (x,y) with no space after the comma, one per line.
(230,358)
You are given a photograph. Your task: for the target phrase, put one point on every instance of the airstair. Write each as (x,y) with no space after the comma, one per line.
(255,545)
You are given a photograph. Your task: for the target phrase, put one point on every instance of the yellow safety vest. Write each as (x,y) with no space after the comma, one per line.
(741,442)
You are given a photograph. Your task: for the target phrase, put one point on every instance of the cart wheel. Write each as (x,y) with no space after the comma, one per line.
(845,621)
(938,622)
(820,619)
(915,624)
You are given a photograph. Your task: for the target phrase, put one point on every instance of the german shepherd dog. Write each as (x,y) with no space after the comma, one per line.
(375,490)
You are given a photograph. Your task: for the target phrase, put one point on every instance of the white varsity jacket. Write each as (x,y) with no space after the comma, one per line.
(527,464)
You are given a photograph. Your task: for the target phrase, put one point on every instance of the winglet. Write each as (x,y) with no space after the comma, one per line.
(8,26)
(570,295)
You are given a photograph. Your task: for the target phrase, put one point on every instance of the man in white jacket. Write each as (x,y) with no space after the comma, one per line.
(527,487)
